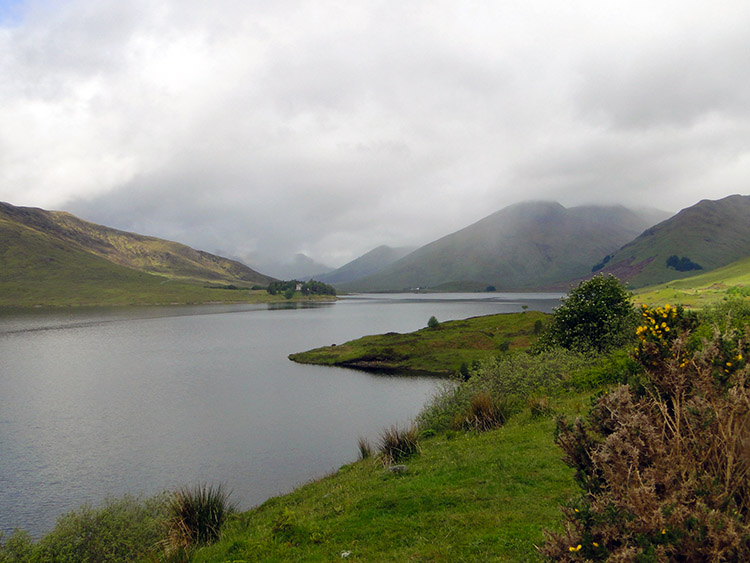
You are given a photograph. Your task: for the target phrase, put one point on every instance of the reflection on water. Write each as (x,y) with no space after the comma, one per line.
(105,401)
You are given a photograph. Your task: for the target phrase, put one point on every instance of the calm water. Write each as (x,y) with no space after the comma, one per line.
(99,402)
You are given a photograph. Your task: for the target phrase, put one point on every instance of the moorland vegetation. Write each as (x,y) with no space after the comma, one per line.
(649,409)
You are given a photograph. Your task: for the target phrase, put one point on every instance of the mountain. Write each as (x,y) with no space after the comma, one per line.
(524,246)
(708,235)
(39,245)
(299,267)
(365,265)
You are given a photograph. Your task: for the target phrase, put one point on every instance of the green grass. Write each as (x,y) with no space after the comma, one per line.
(49,264)
(36,270)
(439,350)
(466,497)
(700,290)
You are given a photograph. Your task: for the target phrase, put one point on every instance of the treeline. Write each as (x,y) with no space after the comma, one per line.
(289,288)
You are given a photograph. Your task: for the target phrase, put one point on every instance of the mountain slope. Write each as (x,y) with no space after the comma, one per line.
(702,289)
(523,246)
(710,234)
(145,254)
(365,265)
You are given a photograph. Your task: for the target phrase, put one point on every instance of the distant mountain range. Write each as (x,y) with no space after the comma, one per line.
(367,264)
(39,244)
(299,267)
(529,245)
(706,236)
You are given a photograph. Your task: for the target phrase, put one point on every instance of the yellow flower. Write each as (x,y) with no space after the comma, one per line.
(663,531)
(595,544)
(729,364)
(576,548)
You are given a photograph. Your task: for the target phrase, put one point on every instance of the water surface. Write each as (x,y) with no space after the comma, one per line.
(107,401)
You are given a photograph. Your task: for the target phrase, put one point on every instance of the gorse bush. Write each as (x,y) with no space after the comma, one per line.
(665,466)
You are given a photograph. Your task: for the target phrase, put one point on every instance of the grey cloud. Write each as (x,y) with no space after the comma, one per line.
(331,128)
(676,84)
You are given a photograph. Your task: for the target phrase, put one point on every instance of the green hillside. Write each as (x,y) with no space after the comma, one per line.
(706,236)
(56,259)
(702,289)
(147,254)
(523,246)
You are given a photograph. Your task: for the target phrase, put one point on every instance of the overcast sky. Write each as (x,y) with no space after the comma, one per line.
(329,128)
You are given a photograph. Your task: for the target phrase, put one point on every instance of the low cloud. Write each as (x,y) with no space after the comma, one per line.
(330,128)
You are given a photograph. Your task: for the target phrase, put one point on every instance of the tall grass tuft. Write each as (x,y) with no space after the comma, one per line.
(397,444)
(195,516)
(486,412)
(365,449)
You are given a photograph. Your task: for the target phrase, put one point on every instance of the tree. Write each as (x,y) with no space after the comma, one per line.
(597,315)
(433,322)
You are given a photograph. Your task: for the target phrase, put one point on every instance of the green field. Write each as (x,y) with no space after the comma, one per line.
(438,351)
(700,290)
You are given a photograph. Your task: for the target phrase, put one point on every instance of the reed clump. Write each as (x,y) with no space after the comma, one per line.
(397,444)
(195,516)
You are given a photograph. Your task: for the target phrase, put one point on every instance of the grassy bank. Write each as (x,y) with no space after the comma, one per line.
(466,497)
(142,289)
(440,350)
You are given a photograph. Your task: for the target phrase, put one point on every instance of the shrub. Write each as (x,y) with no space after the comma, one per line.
(595,316)
(196,515)
(17,548)
(509,378)
(734,312)
(121,529)
(665,467)
(540,406)
(398,444)
(617,367)
(433,322)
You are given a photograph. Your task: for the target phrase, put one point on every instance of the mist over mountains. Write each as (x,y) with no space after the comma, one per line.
(535,245)
(524,246)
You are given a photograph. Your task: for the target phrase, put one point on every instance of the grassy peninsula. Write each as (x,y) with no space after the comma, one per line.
(438,350)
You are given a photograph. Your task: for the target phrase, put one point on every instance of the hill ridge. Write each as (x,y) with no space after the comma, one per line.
(527,245)
(132,250)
